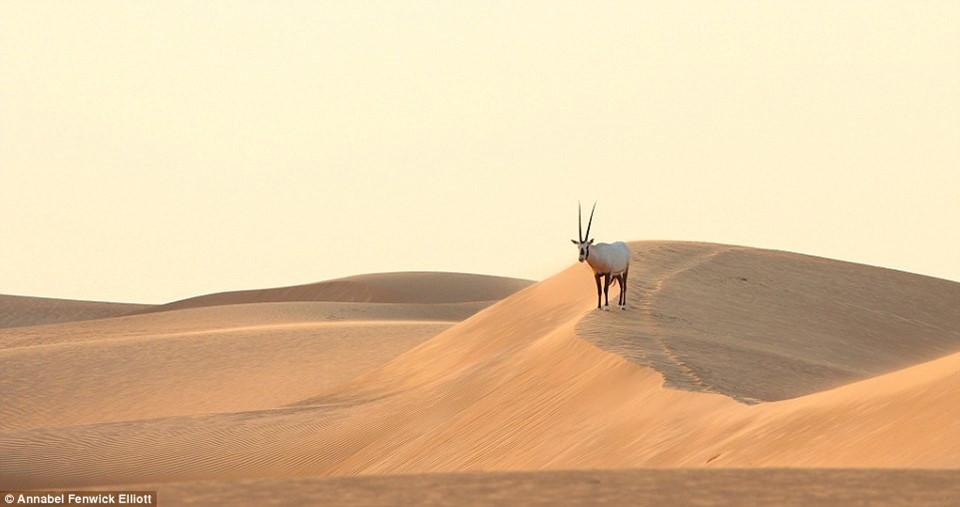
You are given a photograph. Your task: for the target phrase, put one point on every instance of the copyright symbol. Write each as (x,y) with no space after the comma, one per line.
(8,498)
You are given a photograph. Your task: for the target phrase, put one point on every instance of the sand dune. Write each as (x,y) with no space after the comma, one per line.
(463,293)
(530,383)
(250,356)
(192,372)
(31,311)
(244,317)
(763,325)
(410,287)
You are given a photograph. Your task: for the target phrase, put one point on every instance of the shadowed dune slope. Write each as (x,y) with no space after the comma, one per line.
(515,387)
(406,287)
(762,325)
(31,311)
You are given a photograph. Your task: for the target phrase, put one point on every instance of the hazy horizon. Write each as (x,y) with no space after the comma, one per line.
(155,152)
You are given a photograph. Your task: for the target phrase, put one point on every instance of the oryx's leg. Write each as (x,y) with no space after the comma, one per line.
(606,291)
(614,279)
(623,291)
(596,276)
(622,285)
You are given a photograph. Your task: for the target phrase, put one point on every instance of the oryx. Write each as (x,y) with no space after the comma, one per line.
(608,260)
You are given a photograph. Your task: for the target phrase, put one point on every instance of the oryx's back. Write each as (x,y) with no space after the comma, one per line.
(613,258)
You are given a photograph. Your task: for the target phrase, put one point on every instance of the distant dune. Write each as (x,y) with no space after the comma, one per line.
(227,318)
(463,293)
(31,311)
(408,287)
(254,355)
(840,365)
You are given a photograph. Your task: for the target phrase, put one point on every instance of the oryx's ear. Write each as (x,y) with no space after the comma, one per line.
(575,242)
(590,242)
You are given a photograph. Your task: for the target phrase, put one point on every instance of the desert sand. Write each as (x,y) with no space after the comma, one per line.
(31,311)
(728,357)
(701,487)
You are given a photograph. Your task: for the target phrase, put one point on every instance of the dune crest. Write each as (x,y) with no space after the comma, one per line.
(403,287)
(19,311)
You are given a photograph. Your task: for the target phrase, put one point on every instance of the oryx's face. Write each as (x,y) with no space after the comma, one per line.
(584,247)
(584,243)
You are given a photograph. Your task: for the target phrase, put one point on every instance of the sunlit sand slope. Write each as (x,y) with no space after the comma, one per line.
(764,325)
(515,387)
(200,360)
(145,376)
(411,287)
(30,311)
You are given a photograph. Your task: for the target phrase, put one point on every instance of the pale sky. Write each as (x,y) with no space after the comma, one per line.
(156,151)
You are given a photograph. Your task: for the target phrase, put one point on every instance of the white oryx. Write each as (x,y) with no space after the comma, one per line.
(608,260)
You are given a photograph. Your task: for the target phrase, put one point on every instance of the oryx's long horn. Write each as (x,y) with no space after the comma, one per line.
(587,237)
(579,223)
